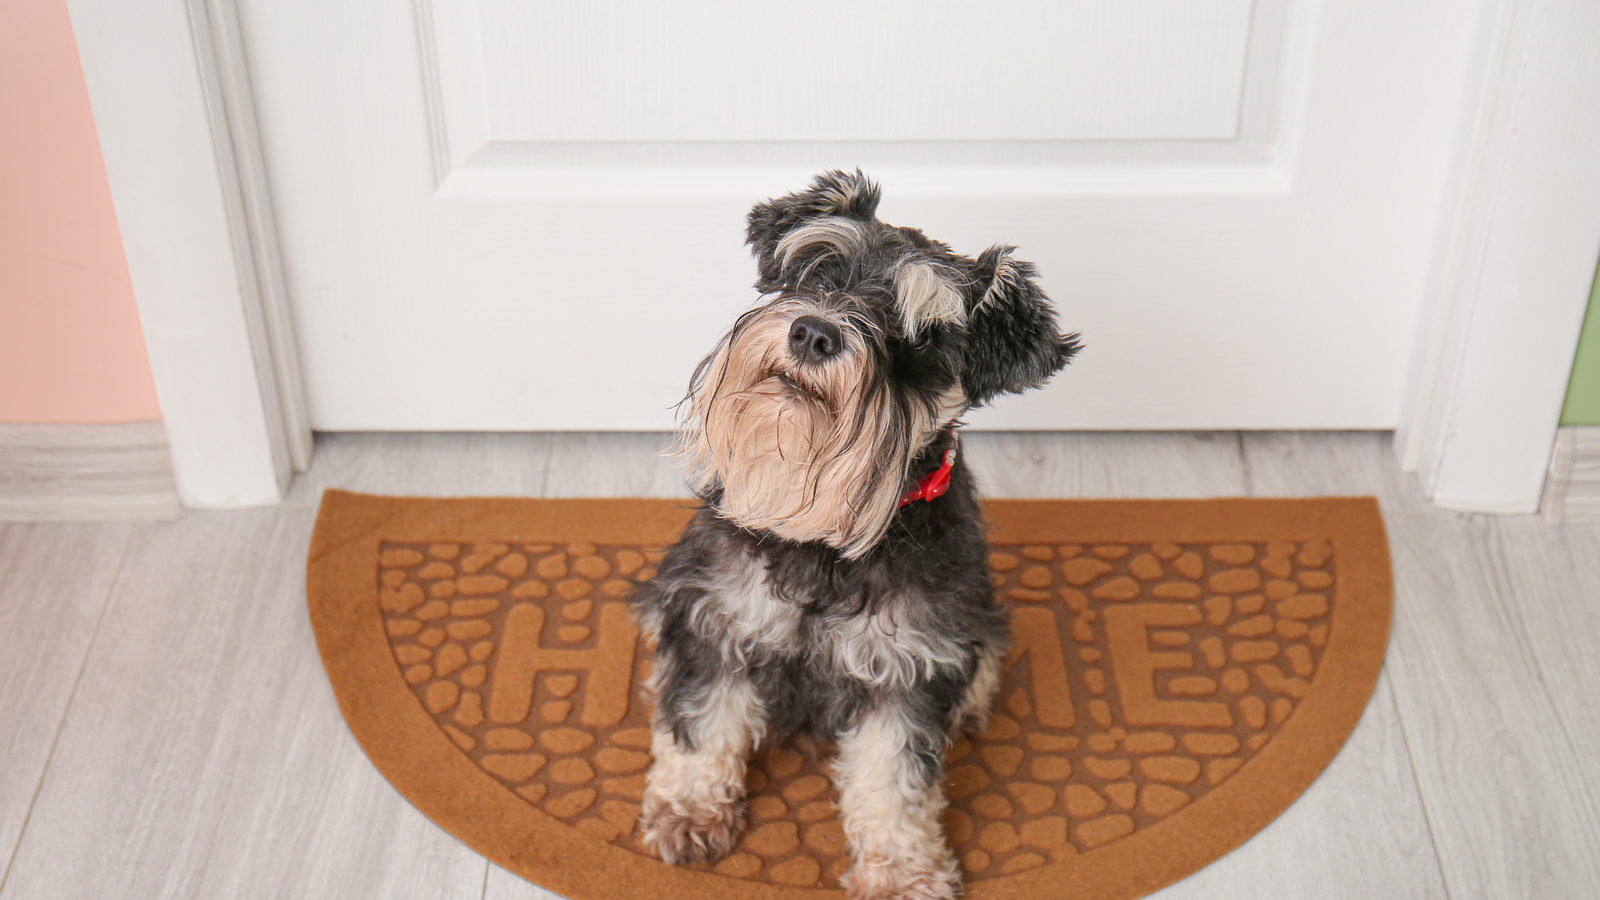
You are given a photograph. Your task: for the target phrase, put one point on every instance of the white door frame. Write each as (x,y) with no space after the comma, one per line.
(171,101)
(1514,261)
(1516,248)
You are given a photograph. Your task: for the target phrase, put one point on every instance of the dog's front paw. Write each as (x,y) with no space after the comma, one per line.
(879,879)
(685,833)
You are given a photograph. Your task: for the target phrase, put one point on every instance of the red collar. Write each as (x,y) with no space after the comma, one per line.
(935,483)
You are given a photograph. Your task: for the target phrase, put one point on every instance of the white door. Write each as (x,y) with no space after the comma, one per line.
(504,214)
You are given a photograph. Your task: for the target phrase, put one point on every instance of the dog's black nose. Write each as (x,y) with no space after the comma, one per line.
(813,339)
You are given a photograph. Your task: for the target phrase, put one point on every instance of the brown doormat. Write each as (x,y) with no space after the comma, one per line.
(1182,671)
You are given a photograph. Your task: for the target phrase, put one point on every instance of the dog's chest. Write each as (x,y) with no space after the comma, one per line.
(755,618)
(884,648)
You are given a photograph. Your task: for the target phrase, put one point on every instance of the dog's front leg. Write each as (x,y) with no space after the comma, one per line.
(888,774)
(693,807)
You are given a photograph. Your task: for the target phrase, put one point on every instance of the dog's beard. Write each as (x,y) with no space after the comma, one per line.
(812,453)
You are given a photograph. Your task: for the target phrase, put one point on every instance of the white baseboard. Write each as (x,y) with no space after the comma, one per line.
(1572,488)
(86,473)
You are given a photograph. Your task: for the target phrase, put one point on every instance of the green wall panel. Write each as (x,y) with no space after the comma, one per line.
(1583,391)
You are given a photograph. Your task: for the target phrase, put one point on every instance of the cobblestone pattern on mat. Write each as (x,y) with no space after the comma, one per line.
(1142,677)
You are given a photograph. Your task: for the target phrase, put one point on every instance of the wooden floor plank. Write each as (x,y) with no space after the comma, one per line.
(1494,676)
(203,755)
(1309,464)
(502,885)
(1008,464)
(614,465)
(424,464)
(1055,464)
(54,582)
(1575,640)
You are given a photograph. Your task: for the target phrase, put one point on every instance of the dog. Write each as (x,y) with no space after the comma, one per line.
(834,582)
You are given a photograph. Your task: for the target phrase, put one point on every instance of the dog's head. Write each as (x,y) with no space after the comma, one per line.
(806,417)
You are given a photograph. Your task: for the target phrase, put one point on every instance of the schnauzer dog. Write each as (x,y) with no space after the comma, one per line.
(835,584)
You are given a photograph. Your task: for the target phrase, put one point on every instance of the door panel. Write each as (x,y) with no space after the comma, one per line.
(840,70)
(503,215)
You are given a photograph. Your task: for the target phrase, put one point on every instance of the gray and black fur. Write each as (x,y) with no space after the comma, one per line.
(768,625)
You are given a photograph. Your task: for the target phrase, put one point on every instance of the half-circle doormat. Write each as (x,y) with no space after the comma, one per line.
(1182,671)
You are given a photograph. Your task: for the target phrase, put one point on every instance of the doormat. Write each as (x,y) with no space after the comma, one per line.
(1181,671)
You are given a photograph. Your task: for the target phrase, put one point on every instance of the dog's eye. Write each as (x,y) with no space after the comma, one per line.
(920,341)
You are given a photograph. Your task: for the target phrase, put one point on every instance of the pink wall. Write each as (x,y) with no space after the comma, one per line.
(70,345)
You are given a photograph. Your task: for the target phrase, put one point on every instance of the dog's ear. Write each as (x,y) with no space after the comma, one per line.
(1012,341)
(835,193)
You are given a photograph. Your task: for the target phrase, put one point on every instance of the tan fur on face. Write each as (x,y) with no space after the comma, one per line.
(841,236)
(927,293)
(807,464)
(1005,278)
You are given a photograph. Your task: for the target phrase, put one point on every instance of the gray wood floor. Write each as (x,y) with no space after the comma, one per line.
(169,732)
